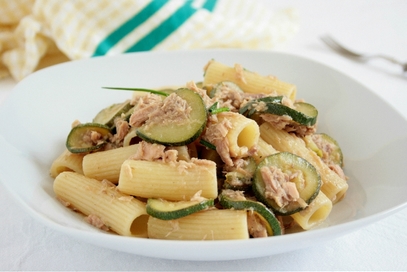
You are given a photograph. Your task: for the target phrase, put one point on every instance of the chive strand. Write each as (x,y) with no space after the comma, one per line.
(207,144)
(137,89)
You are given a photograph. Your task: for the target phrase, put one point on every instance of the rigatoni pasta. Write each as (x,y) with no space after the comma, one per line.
(207,225)
(234,135)
(67,162)
(107,164)
(315,213)
(264,149)
(176,181)
(249,81)
(200,162)
(243,134)
(105,206)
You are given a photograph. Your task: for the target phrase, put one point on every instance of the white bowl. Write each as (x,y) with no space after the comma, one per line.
(36,118)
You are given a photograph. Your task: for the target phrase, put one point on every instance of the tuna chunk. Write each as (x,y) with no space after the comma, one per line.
(255,224)
(279,187)
(152,109)
(95,220)
(216,134)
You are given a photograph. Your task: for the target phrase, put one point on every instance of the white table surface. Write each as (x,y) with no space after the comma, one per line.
(371,26)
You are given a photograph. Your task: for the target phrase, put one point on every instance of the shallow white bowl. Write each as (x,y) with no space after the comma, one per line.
(36,118)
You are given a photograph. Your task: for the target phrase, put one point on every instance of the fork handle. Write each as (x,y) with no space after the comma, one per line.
(393,60)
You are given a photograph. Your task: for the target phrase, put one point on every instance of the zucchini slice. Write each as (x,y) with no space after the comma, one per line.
(304,114)
(240,178)
(250,108)
(177,133)
(221,86)
(237,181)
(274,179)
(87,137)
(107,115)
(230,199)
(308,113)
(326,147)
(170,210)
(310,144)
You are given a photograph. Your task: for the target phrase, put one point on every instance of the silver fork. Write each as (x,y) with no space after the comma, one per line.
(333,44)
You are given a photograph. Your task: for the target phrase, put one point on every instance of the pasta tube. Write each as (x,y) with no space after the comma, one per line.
(106,164)
(248,81)
(315,213)
(264,149)
(67,161)
(172,181)
(244,134)
(102,203)
(206,225)
(234,135)
(183,152)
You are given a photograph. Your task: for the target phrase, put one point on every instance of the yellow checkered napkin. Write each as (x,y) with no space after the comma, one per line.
(38,33)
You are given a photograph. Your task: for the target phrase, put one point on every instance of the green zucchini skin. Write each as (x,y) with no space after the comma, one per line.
(249,108)
(178,134)
(75,141)
(168,210)
(308,112)
(304,113)
(229,202)
(308,188)
(107,115)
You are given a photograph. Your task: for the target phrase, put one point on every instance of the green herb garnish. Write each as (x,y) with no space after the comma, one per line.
(137,89)
(207,144)
(215,110)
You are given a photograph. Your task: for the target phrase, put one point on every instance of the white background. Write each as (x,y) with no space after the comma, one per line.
(371,26)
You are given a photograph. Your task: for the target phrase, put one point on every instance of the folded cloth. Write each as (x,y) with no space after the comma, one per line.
(34,31)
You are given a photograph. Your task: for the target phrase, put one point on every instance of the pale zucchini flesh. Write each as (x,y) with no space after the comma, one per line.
(78,138)
(308,182)
(177,134)
(238,179)
(327,148)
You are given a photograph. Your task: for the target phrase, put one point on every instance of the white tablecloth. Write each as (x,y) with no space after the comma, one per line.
(371,26)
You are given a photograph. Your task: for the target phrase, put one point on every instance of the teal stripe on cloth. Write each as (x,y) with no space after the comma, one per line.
(128,26)
(165,29)
(209,5)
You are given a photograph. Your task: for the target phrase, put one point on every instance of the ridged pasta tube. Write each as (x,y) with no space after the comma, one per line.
(264,149)
(100,200)
(234,135)
(172,181)
(66,161)
(316,213)
(206,225)
(107,164)
(248,81)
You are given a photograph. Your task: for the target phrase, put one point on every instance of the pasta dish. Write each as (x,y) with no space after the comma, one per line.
(235,156)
